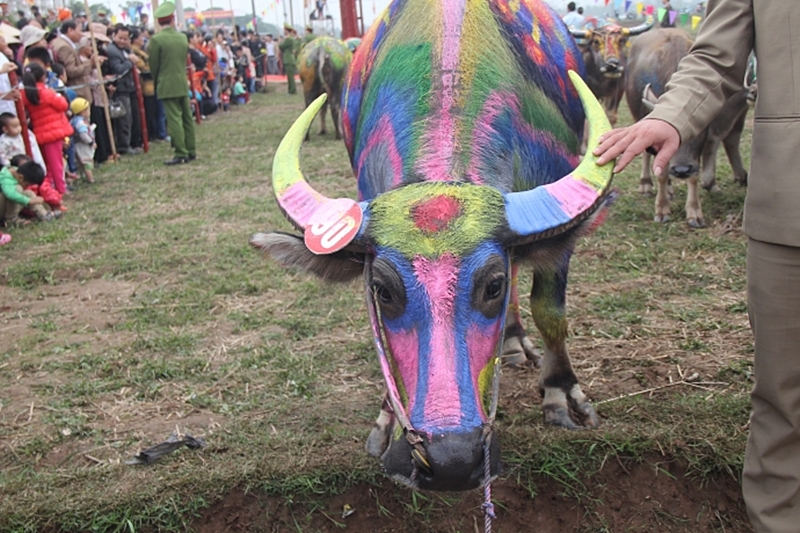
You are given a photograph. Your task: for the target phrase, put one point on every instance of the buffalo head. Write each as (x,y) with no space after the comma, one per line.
(435,257)
(604,48)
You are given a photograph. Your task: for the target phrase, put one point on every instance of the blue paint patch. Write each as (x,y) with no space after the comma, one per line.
(534,212)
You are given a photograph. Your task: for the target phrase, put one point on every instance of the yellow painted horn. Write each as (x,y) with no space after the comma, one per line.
(297,199)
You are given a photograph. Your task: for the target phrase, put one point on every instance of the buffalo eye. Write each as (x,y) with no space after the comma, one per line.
(383,294)
(494,289)
(489,287)
(388,288)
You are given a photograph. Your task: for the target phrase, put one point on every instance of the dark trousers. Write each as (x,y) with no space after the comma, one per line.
(151,117)
(101,137)
(122,125)
(180,125)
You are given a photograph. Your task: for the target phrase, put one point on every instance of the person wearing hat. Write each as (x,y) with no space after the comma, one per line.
(80,19)
(30,37)
(287,48)
(309,36)
(168,51)
(65,51)
(83,138)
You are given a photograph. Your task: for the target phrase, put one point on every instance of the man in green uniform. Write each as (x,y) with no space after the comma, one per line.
(309,36)
(168,51)
(287,47)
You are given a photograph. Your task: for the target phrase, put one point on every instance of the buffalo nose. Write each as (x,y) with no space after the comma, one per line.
(682,171)
(612,64)
(449,462)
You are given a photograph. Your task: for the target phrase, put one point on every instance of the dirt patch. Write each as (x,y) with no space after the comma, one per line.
(654,495)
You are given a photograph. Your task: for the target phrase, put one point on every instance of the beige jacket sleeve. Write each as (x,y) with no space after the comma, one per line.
(713,70)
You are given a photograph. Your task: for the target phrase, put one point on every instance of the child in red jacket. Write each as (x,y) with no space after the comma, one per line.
(47,110)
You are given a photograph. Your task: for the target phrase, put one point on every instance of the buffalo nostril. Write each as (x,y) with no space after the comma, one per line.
(681,171)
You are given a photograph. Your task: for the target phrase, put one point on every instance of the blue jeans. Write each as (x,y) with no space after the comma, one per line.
(161,120)
(213,85)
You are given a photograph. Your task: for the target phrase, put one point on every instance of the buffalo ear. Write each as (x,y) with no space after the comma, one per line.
(291,251)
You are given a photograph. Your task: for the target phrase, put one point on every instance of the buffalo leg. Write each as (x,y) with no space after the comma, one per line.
(564,403)
(709,164)
(646,181)
(335,119)
(517,347)
(662,198)
(322,113)
(694,212)
(731,144)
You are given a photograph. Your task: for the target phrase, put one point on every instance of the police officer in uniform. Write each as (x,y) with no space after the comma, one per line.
(168,51)
(287,47)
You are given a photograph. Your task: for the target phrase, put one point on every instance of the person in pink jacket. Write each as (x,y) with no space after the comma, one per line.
(47,111)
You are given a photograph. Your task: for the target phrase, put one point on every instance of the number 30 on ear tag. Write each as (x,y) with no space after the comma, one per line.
(333,226)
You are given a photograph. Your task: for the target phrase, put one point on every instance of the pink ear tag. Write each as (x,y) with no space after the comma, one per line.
(333,226)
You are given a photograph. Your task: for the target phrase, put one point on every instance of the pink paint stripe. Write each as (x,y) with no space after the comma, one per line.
(442,403)
(405,351)
(384,133)
(440,139)
(300,201)
(574,196)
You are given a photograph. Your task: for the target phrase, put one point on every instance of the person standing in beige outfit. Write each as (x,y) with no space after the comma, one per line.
(65,51)
(710,74)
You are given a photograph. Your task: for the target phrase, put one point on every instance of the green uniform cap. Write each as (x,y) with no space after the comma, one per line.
(164,10)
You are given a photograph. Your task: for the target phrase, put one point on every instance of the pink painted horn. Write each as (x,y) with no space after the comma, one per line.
(328,224)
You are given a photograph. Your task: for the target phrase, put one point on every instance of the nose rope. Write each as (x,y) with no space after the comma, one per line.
(418,454)
(419,458)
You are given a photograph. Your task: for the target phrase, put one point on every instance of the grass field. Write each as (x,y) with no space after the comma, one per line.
(143,312)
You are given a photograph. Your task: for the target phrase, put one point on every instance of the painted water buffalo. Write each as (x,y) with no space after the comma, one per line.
(653,59)
(463,128)
(323,65)
(604,52)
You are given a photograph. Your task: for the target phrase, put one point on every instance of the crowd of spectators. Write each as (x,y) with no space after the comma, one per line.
(71,75)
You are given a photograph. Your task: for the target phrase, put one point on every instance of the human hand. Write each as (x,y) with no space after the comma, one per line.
(13,94)
(36,200)
(8,67)
(627,143)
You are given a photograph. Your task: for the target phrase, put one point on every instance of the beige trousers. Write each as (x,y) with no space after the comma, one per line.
(771,477)
(10,210)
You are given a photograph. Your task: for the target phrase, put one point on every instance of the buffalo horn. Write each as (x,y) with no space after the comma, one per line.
(643,27)
(552,209)
(297,199)
(579,34)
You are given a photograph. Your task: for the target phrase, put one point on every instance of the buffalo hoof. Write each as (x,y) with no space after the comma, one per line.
(661,218)
(714,189)
(742,180)
(696,222)
(519,350)
(646,187)
(581,416)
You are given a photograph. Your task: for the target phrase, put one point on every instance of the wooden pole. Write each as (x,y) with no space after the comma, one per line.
(109,126)
(140,101)
(234,34)
(23,121)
